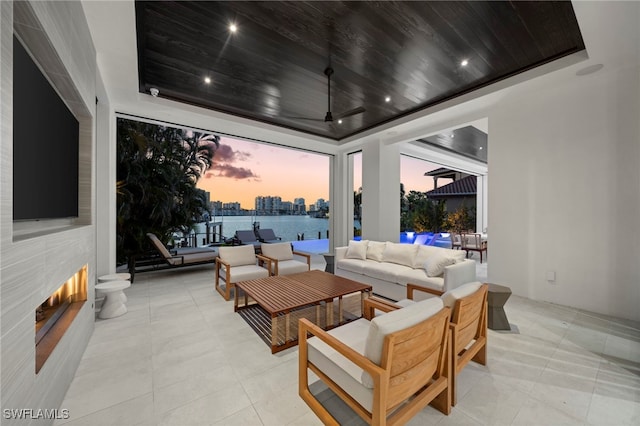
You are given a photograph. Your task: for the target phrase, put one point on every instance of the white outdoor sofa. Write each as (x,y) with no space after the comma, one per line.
(388,267)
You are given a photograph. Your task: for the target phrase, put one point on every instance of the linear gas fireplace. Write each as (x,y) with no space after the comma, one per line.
(57,312)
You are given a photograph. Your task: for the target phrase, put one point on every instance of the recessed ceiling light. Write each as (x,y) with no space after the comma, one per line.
(339,121)
(207,80)
(481,148)
(233,28)
(452,136)
(464,62)
(387,99)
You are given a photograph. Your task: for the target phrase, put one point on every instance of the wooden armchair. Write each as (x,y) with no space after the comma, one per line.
(282,259)
(387,369)
(474,242)
(238,263)
(468,321)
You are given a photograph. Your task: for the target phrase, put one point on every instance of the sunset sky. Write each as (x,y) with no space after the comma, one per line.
(243,170)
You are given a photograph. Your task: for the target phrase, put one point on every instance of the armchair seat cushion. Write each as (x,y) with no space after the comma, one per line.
(247,272)
(338,368)
(286,267)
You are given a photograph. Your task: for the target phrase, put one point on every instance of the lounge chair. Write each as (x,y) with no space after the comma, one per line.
(468,321)
(248,238)
(268,236)
(188,256)
(387,369)
(282,259)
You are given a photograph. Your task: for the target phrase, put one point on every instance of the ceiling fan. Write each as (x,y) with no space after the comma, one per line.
(329,116)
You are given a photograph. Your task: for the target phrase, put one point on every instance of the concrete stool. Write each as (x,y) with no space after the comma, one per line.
(497,297)
(113,306)
(122,276)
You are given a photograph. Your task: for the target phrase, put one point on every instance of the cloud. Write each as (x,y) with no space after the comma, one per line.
(232,172)
(226,154)
(223,164)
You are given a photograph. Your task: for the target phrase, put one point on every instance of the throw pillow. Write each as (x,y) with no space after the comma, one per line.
(449,298)
(375,249)
(390,323)
(425,252)
(402,254)
(434,265)
(357,250)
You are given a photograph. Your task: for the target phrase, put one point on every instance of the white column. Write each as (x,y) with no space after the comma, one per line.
(338,195)
(380,192)
(482,203)
(105,183)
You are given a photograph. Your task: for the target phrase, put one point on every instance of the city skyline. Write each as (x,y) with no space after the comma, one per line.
(243,170)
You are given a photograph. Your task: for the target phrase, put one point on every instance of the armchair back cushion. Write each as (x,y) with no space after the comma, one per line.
(278,251)
(449,298)
(238,255)
(395,321)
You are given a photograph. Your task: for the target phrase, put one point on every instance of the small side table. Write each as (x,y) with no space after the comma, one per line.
(113,306)
(497,297)
(121,276)
(329,257)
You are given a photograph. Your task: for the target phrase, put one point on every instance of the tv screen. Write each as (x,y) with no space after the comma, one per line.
(45,145)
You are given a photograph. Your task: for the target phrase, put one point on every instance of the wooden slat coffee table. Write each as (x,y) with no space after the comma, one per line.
(289,297)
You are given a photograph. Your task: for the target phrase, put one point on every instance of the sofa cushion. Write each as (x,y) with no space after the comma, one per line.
(394,321)
(419,277)
(449,298)
(402,254)
(353,265)
(278,251)
(375,250)
(383,270)
(434,265)
(357,250)
(238,255)
(339,369)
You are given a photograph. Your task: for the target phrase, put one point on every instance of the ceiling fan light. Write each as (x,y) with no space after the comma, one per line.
(328,117)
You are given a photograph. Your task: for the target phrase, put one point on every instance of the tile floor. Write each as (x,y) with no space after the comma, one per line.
(181,356)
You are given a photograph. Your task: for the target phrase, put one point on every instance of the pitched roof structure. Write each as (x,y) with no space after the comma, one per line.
(463,187)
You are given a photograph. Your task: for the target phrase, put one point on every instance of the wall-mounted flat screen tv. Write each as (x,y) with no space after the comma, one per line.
(45,145)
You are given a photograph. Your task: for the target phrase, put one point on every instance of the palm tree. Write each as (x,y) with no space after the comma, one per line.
(158,168)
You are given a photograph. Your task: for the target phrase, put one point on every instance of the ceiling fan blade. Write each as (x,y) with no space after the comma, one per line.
(301,118)
(358,110)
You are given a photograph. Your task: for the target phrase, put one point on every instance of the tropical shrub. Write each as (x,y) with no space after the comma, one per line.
(463,219)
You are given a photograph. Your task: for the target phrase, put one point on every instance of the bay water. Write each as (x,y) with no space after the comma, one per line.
(286,227)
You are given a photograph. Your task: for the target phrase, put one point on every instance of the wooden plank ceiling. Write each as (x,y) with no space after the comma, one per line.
(389,58)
